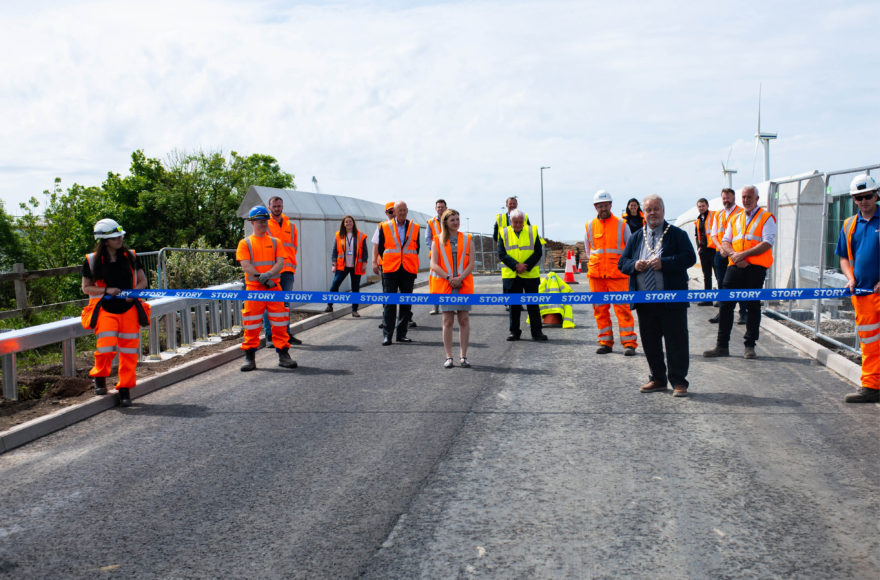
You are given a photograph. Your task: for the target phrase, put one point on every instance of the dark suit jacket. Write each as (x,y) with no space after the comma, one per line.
(678,255)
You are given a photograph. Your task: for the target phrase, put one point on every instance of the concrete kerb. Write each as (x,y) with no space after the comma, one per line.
(36,428)
(825,356)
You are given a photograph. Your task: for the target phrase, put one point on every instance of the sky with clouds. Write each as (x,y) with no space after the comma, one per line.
(467,100)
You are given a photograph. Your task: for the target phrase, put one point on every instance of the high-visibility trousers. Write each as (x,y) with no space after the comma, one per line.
(602,312)
(868,330)
(118,333)
(252,320)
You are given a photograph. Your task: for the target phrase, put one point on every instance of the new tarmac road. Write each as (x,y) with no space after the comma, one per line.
(541,461)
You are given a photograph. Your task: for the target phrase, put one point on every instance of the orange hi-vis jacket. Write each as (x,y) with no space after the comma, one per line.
(720,225)
(399,252)
(287,234)
(262,252)
(434,224)
(746,236)
(606,242)
(360,261)
(710,219)
(454,266)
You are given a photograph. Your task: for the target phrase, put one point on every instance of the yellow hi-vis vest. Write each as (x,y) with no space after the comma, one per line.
(519,248)
(553,283)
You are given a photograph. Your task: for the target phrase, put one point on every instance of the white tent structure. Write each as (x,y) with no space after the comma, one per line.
(318,216)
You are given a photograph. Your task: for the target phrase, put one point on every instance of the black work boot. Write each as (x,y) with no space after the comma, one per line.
(863,396)
(124,397)
(716,352)
(100,385)
(250,356)
(284,359)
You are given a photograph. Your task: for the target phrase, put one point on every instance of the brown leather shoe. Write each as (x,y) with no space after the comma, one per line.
(652,387)
(680,391)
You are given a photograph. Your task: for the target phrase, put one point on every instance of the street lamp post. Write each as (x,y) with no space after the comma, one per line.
(542,202)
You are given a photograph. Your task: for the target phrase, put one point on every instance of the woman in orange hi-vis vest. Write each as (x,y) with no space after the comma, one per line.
(349,258)
(111,268)
(452,265)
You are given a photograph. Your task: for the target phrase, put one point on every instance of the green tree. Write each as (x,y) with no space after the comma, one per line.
(58,233)
(10,244)
(218,185)
(61,234)
(192,195)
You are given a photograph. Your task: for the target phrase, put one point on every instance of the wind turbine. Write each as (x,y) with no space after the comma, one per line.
(727,173)
(764,138)
(315,181)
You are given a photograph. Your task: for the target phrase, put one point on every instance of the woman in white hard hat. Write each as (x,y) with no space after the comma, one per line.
(111,268)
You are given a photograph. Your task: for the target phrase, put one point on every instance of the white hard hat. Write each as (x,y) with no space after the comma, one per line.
(863,183)
(602,196)
(107,228)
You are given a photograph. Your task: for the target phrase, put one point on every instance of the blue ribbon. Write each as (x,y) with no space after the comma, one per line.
(641,297)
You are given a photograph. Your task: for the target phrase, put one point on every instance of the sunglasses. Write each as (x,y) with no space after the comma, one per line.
(390,212)
(864,196)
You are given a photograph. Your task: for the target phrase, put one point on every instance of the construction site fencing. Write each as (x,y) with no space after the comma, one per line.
(178,323)
(810,210)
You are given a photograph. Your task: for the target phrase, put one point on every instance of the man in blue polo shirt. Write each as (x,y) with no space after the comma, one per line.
(859,249)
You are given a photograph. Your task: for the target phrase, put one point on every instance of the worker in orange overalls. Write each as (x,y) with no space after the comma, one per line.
(859,249)
(107,271)
(606,238)
(262,259)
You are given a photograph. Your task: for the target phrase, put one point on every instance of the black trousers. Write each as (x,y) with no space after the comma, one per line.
(721,265)
(659,324)
(518,286)
(751,276)
(400,281)
(707,263)
(339,277)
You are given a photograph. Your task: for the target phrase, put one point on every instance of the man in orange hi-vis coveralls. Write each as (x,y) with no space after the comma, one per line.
(606,238)
(859,249)
(107,271)
(262,259)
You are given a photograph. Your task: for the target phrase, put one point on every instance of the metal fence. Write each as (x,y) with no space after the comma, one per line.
(181,322)
(810,211)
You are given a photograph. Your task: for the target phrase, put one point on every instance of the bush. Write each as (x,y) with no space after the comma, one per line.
(200,269)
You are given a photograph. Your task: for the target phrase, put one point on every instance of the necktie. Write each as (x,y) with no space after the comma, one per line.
(650,280)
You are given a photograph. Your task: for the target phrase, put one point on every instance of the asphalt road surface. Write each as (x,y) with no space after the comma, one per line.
(541,461)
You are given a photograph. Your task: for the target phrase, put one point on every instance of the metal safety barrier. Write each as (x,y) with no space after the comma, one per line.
(196,320)
(810,211)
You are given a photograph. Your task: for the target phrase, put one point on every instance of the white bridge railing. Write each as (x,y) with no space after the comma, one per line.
(195,319)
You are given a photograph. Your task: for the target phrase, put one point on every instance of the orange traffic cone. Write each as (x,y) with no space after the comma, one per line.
(569,269)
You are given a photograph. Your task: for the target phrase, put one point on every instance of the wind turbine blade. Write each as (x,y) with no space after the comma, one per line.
(728,155)
(759,109)
(755,159)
